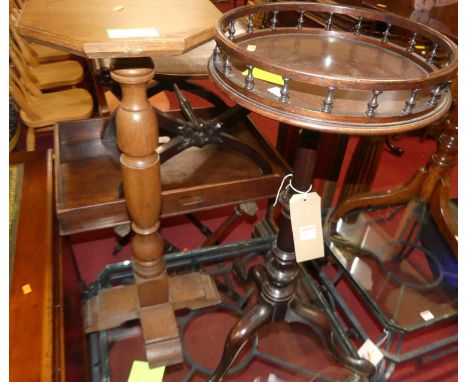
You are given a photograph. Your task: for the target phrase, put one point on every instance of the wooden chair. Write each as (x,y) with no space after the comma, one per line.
(41,111)
(46,76)
(37,52)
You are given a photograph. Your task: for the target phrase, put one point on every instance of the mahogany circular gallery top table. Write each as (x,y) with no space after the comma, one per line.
(343,82)
(130,32)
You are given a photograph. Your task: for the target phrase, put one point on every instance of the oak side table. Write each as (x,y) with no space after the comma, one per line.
(130,32)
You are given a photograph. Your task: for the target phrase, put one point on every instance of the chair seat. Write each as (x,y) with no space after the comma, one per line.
(88,177)
(44,53)
(57,74)
(59,106)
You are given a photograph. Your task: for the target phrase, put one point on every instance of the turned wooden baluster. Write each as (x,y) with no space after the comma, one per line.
(217,53)
(249,79)
(328,27)
(436,188)
(412,42)
(386,34)
(358,26)
(250,24)
(274,20)
(300,20)
(137,134)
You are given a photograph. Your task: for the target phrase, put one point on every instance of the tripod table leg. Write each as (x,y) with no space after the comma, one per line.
(239,335)
(316,319)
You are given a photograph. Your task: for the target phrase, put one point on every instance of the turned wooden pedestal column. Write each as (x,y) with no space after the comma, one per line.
(154,297)
(137,132)
(130,34)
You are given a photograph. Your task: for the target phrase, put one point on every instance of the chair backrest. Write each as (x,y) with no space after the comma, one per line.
(32,89)
(18,4)
(20,63)
(23,95)
(24,48)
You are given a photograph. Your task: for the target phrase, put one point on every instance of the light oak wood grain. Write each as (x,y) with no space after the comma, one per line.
(45,109)
(81,27)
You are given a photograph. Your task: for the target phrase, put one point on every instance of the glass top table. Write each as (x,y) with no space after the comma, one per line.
(399,264)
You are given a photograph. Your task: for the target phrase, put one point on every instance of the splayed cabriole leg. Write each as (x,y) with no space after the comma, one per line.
(240,335)
(317,320)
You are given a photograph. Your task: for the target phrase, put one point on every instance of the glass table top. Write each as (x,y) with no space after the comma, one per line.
(335,56)
(400,263)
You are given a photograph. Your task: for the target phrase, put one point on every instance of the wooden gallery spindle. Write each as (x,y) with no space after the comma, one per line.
(358,26)
(250,23)
(300,20)
(412,42)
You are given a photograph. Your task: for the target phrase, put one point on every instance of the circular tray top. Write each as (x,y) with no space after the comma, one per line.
(330,79)
(343,57)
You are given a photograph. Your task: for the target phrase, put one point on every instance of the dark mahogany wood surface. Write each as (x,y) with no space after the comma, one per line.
(231,46)
(88,178)
(327,54)
(442,17)
(333,80)
(36,351)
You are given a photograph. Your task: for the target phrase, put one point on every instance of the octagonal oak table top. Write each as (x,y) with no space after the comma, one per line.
(119,28)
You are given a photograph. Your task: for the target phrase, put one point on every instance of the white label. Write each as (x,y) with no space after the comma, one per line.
(251,48)
(370,352)
(164,139)
(276,91)
(273,378)
(427,315)
(306,223)
(132,33)
(308,232)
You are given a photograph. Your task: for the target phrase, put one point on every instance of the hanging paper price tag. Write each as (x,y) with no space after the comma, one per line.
(306,221)
(370,352)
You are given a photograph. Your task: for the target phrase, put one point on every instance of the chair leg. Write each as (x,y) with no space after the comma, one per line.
(239,335)
(30,139)
(440,209)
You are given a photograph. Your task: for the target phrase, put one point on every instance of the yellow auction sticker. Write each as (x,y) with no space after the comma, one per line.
(266,76)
